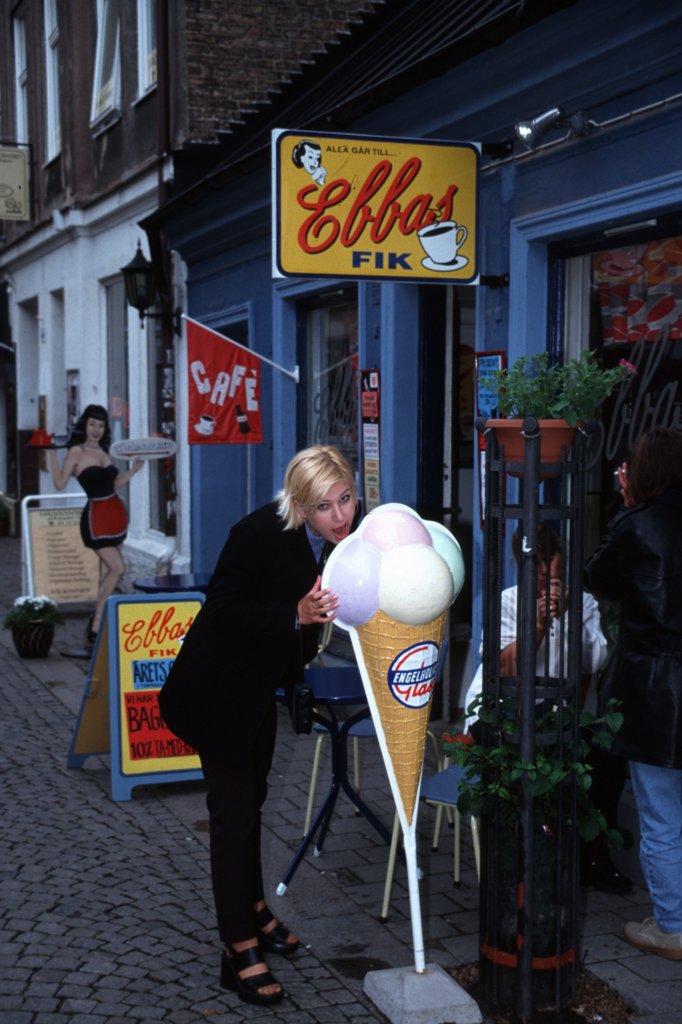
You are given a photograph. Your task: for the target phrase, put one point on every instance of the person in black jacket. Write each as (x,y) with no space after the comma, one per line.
(639,564)
(257,628)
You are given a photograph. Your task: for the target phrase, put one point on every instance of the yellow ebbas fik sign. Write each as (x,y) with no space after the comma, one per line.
(354,206)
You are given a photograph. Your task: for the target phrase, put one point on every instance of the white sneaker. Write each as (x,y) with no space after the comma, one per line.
(649,937)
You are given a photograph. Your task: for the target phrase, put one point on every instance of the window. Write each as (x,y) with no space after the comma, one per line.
(146,47)
(53,117)
(331,340)
(625,302)
(106,89)
(21,80)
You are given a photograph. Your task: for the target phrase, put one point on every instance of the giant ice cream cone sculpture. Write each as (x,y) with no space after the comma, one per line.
(395,578)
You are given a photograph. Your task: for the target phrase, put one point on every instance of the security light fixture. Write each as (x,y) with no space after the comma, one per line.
(531,132)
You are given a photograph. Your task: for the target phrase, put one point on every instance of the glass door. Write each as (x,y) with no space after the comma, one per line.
(624,300)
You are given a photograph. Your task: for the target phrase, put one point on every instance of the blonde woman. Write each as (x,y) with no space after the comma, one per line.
(257,628)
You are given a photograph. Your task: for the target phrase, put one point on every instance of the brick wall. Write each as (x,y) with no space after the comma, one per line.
(239,52)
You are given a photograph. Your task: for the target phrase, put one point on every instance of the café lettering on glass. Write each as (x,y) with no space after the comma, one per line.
(374,207)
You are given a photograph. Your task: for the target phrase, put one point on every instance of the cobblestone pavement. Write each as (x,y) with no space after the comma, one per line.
(106,911)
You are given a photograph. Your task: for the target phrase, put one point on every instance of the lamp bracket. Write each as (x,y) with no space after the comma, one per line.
(498,150)
(494,280)
(174,318)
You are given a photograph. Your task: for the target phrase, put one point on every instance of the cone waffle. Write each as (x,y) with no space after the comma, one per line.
(381,640)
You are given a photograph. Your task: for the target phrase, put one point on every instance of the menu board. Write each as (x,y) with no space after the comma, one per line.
(62,567)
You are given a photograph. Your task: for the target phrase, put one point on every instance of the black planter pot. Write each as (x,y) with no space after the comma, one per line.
(555,957)
(33,640)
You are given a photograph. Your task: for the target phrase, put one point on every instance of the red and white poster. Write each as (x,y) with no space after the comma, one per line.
(371,416)
(224,389)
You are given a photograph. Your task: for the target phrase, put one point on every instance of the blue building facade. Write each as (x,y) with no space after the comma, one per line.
(601,188)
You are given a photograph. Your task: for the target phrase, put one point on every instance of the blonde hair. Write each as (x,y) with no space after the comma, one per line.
(308,478)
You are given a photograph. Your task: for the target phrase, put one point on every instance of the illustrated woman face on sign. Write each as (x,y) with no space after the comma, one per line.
(308,155)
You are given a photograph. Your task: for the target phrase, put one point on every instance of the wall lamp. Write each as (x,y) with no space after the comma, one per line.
(139,278)
(530,132)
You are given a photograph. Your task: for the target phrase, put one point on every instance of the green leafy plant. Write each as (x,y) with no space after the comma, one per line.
(574,391)
(28,610)
(494,773)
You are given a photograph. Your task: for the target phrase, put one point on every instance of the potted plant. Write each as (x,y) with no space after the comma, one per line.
(32,621)
(496,782)
(494,772)
(558,396)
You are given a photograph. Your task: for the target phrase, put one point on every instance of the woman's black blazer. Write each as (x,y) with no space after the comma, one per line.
(244,643)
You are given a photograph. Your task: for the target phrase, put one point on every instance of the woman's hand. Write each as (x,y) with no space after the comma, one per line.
(124,478)
(625,486)
(317,606)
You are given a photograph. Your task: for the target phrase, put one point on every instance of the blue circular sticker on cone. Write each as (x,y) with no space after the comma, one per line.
(412,674)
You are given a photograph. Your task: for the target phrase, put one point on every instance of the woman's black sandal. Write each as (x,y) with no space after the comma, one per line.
(248,989)
(274,940)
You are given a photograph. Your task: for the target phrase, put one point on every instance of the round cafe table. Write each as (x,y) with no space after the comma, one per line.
(173,583)
(334,686)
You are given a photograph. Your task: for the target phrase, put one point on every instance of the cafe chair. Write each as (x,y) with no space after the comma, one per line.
(440,790)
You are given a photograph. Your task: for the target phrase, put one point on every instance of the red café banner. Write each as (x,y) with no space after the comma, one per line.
(374,207)
(224,389)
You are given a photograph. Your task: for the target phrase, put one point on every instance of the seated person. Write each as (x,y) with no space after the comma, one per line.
(609,771)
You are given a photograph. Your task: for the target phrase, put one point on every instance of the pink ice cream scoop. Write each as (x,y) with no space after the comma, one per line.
(389,526)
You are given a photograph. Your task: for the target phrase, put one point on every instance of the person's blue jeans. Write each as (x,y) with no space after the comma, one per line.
(658,793)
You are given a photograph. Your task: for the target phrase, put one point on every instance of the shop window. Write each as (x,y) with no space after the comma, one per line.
(636,294)
(633,312)
(106,89)
(331,380)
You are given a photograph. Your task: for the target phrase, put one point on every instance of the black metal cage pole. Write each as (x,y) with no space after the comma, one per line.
(526,655)
(529,932)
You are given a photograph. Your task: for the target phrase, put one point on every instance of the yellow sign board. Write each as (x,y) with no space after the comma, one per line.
(149,638)
(374,207)
(136,645)
(14,193)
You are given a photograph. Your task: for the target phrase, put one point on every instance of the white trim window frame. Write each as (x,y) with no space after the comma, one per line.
(146,48)
(20,80)
(53,122)
(106,86)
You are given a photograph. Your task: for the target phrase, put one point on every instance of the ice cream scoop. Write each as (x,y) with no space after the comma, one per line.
(415,584)
(355,580)
(391,526)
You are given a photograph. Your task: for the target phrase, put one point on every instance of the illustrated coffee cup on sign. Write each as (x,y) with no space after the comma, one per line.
(441,241)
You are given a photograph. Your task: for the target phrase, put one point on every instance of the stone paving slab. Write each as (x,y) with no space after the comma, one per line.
(106,913)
